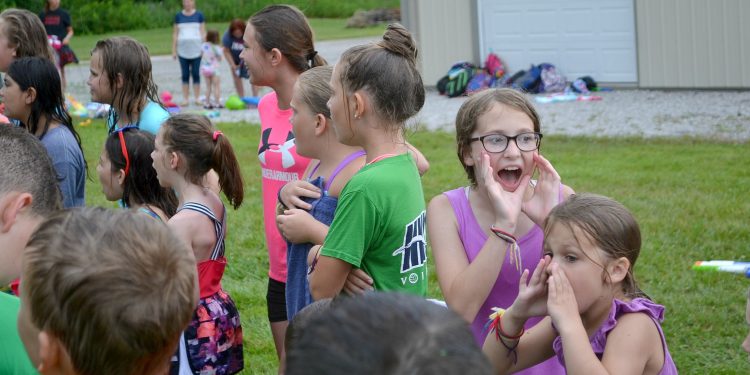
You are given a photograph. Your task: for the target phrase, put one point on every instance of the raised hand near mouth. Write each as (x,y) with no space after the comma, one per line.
(506,204)
(546,194)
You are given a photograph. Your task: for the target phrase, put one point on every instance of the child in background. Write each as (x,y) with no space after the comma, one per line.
(384,333)
(187,147)
(126,173)
(379,224)
(233,46)
(211,52)
(337,162)
(120,75)
(498,138)
(32,94)
(104,292)
(59,28)
(598,321)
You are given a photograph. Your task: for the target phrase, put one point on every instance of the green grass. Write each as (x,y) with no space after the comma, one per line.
(690,198)
(159,41)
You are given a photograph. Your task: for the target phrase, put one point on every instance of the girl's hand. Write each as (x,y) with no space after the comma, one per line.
(532,296)
(358,282)
(506,204)
(291,193)
(546,192)
(296,225)
(561,301)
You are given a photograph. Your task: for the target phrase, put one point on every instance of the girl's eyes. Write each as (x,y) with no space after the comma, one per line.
(547,253)
(570,258)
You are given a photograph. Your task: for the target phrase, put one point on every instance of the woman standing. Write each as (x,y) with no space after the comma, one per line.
(59,29)
(187,37)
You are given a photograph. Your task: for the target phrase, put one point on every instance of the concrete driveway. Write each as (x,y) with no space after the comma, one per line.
(649,113)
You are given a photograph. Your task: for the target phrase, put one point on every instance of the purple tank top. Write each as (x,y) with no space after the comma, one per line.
(505,290)
(599,338)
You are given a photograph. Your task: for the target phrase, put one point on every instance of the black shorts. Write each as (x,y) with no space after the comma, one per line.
(276,300)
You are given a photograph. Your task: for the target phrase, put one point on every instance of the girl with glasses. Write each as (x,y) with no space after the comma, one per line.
(483,234)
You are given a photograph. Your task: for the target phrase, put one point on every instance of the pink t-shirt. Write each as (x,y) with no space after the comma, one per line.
(279,164)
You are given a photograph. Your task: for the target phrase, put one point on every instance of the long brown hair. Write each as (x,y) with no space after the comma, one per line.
(286,28)
(204,148)
(129,58)
(608,225)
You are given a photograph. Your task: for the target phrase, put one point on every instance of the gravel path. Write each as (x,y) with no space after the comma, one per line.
(722,115)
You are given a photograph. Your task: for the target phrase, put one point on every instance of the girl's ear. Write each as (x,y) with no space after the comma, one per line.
(321,124)
(276,56)
(359,104)
(119,81)
(174,160)
(467,157)
(618,269)
(30,95)
(121,177)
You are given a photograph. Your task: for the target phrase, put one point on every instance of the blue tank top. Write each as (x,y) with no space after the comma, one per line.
(297,288)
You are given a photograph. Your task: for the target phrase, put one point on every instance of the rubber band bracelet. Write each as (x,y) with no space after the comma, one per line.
(502,234)
(278,197)
(496,324)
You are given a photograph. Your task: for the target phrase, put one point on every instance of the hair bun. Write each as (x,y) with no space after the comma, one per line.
(397,39)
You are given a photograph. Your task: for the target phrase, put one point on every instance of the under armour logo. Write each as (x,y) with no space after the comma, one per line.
(287,159)
(414,250)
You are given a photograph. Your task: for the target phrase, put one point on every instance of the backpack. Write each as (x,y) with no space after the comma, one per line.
(481,80)
(530,81)
(454,83)
(552,81)
(494,66)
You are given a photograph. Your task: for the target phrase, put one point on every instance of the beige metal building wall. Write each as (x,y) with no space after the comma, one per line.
(445,31)
(693,43)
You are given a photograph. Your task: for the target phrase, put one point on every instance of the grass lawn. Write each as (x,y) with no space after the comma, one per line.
(159,41)
(690,198)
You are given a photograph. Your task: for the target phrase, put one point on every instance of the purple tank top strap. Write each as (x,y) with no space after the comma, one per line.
(341,166)
(315,169)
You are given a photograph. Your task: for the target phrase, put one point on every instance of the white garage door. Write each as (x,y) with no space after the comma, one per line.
(580,37)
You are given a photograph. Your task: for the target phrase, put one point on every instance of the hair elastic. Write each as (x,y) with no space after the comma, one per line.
(216,135)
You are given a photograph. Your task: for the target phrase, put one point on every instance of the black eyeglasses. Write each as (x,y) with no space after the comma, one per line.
(496,143)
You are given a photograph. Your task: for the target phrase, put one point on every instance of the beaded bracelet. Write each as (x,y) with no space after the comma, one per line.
(515,251)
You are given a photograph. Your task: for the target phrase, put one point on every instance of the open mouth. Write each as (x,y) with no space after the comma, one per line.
(510,177)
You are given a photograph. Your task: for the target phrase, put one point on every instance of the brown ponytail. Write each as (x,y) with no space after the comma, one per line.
(227,167)
(285,27)
(204,148)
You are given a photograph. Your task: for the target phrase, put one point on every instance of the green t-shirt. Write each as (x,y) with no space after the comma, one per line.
(379,226)
(13,357)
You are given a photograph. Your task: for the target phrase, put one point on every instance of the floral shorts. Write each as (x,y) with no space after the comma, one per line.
(213,339)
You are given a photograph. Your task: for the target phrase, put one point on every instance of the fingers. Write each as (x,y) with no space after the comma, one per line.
(545,167)
(524,277)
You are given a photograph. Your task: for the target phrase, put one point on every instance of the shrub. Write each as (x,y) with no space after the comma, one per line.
(102,16)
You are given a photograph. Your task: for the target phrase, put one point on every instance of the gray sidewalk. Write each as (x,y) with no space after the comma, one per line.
(642,113)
